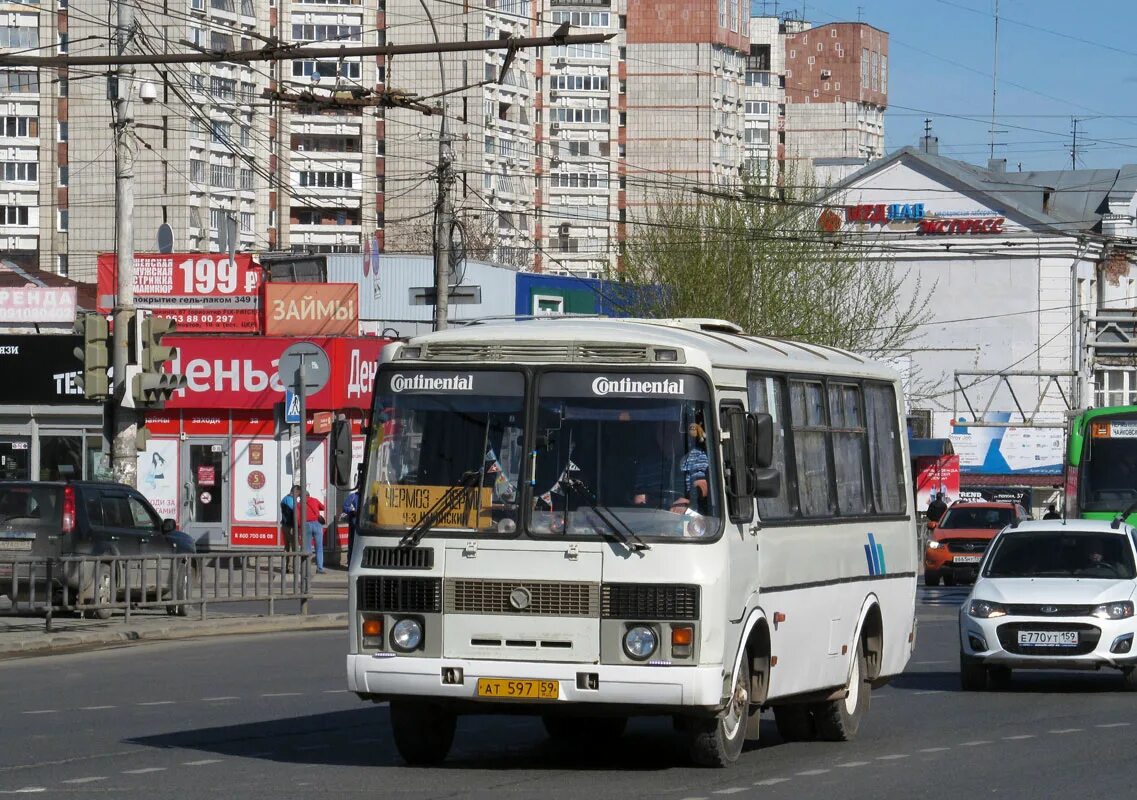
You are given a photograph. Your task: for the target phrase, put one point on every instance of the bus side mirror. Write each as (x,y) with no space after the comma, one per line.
(759,439)
(341,450)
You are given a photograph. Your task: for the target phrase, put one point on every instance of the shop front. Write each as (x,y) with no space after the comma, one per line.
(48,431)
(221,455)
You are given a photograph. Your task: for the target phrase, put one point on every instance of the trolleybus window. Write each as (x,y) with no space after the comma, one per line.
(630,452)
(446,443)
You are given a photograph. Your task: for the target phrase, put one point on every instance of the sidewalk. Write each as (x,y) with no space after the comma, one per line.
(26,635)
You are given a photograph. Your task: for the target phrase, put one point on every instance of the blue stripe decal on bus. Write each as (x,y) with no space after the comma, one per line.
(874,553)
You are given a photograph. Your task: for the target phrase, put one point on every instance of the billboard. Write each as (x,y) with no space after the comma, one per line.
(311,309)
(202,292)
(1017,450)
(33,304)
(936,474)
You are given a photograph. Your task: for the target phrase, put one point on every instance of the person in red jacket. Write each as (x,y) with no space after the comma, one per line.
(314,522)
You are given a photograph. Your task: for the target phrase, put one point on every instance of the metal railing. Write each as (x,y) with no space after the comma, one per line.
(98,586)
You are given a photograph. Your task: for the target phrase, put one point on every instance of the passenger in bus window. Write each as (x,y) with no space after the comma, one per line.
(695,466)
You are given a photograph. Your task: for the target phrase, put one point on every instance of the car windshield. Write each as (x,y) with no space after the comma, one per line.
(1109,471)
(624,454)
(445,443)
(1061,554)
(969,517)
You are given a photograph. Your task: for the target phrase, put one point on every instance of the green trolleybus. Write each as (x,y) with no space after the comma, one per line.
(1101,463)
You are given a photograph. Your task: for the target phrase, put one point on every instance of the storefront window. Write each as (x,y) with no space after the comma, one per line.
(60,458)
(15,458)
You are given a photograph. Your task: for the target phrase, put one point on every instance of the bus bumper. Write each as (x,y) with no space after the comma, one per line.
(384,677)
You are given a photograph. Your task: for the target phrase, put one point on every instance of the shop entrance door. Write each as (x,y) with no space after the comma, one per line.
(205,492)
(15,458)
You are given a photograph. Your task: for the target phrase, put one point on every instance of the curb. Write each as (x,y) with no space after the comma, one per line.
(84,640)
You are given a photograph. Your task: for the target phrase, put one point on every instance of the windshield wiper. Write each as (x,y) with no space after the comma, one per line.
(443,506)
(630,540)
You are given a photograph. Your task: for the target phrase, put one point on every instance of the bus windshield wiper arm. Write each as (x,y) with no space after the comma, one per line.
(444,505)
(629,538)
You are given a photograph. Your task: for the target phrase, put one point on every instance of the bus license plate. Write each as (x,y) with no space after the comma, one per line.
(1048,638)
(967,559)
(518,689)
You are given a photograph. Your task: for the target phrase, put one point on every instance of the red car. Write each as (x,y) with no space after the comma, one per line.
(956,545)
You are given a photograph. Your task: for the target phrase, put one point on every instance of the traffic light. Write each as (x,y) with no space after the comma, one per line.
(95,355)
(150,385)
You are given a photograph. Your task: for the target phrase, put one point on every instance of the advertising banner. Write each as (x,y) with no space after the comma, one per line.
(311,309)
(254,478)
(1009,451)
(202,292)
(241,373)
(936,474)
(158,476)
(997,494)
(32,304)
(41,369)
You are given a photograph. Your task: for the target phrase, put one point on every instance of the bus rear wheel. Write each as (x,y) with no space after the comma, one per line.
(839,720)
(423,732)
(717,741)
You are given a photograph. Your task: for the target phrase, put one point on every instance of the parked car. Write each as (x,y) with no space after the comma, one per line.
(956,545)
(74,518)
(1052,594)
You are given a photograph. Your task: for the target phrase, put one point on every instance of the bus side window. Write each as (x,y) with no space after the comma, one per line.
(767,393)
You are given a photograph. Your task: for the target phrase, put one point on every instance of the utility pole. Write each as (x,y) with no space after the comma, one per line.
(1074,146)
(443,225)
(927,133)
(994,82)
(124,456)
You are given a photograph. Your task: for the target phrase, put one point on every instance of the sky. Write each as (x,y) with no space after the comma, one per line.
(1056,61)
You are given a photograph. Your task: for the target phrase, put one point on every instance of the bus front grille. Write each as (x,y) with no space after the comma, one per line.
(533,598)
(649,601)
(398,558)
(398,594)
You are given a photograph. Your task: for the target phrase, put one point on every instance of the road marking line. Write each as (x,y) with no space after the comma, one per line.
(933,750)
(813,772)
(93,708)
(335,691)
(26,790)
(1113,725)
(142,771)
(1068,730)
(157,703)
(931,691)
(211,699)
(201,762)
(86,780)
(731,790)
(771,781)
(931,662)
(854,764)
(976,743)
(1019,737)
(892,757)
(281,694)
(43,711)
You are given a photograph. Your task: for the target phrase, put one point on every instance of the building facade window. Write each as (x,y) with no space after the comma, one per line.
(62,219)
(16,82)
(1115,387)
(13,215)
(23,171)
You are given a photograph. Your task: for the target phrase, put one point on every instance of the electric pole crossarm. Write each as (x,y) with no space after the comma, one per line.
(290,54)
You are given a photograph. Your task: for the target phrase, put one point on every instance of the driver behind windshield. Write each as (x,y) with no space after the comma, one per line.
(672,471)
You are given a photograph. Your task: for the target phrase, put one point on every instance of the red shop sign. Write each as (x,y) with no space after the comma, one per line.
(224,372)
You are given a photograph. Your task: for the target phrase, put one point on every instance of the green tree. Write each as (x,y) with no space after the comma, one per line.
(762,262)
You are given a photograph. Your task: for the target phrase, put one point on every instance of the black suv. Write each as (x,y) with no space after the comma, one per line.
(54,519)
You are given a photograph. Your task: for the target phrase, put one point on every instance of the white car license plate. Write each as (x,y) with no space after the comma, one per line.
(1048,638)
(15,544)
(967,559)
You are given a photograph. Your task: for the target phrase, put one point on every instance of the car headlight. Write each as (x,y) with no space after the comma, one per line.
(640,642)
(1122,610)
(933,544)
(406,635)
(985,609)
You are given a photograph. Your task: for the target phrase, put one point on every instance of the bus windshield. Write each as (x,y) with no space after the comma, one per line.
(446,443)
(1109,474)
(624,455)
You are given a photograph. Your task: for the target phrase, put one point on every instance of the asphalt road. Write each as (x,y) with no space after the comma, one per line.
(267,717)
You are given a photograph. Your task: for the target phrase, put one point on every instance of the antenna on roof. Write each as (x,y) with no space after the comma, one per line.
(1129,509)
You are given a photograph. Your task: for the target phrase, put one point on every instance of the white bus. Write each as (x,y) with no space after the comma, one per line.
(590,519)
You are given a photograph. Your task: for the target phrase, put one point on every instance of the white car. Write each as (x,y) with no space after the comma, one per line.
(1052,594)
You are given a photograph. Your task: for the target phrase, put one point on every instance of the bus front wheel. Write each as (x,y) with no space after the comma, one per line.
(717,741)
(423,732)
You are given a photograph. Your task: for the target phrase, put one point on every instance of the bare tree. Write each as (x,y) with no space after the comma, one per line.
(762,262)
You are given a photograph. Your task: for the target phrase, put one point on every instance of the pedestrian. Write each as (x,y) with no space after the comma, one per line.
(351,516)
(936,508)
(288,523)
(1052,512)
(314,523)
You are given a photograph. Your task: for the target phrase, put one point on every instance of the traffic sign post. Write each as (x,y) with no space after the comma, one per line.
(291,407)
(304,366)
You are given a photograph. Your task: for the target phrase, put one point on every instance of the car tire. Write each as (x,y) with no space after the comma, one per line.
(1129,679)
(999,678)
(931,578)
(972,675)
(795,722)
(102,592)
(839,720)
(423,732)
(717,741)
(584,730)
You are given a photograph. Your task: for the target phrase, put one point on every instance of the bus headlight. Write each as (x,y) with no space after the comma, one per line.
(406,635)
(640,642)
